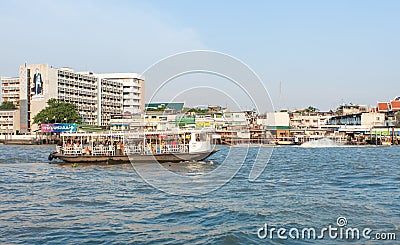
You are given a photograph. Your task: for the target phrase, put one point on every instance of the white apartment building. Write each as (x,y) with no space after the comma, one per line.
(80,89)
(273,119)
(97,96)
(372,119)
(10,89)
(9,121)
(306,121)
(110,100)
(133,90)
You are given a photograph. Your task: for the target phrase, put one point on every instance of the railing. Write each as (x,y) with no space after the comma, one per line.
(96,151)
(181,148)
(103,151)
(72,152)
(157,149)
(128,150)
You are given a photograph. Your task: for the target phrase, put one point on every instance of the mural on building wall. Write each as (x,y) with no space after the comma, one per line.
(37,85)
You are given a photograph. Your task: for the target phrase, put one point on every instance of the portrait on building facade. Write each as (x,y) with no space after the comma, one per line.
(38,83)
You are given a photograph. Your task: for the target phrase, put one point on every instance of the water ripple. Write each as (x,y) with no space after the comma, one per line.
(43,203)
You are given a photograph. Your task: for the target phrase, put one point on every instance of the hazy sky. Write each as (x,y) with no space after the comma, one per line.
(322,52)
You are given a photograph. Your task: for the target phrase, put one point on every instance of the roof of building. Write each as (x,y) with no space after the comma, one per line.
(279,127)
(383,106)
(120,75)
(177,106)
(395,105)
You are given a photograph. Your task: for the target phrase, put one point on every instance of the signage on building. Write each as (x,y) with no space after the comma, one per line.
(385,132)
(59,127)
(203,124)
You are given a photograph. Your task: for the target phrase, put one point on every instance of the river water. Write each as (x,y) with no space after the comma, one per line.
(42,203)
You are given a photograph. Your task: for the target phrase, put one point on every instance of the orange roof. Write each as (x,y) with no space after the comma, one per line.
(383,106)
(395,105)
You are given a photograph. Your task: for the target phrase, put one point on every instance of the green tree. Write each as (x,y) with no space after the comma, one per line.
(58,112)
(311,109)
(7,105)
(196,110)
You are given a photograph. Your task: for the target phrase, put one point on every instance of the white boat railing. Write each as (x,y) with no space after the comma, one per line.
(128,150)
(103,151)
(157,149)
(69,151)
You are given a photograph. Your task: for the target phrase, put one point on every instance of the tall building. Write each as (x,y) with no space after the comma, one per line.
(97,96)
(10,87)
(9,121)
(133,90)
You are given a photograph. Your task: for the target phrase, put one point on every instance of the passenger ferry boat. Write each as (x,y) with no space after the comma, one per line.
(125,147)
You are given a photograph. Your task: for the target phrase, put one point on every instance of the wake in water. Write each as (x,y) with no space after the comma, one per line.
(324,142)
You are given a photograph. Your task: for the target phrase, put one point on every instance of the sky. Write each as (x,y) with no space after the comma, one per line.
(319,53)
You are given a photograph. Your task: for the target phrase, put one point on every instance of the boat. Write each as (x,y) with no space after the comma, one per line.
(284,141)
(135,147)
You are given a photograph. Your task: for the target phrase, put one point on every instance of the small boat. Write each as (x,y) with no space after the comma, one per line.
(285,141)
(135,147)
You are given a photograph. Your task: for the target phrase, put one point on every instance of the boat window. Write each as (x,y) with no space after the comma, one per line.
(203,137)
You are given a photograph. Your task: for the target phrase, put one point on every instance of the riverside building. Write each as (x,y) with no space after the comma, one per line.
(10,87)
(97,96)
(9,121)
(133,90)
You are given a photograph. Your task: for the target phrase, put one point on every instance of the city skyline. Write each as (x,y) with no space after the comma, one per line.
(319,54)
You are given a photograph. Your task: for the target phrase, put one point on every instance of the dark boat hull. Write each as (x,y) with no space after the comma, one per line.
(135,158)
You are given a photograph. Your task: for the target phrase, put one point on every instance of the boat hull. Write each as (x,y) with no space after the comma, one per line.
(134,158)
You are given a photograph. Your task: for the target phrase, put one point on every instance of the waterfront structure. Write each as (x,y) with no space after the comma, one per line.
(392,106)
(157,116)
(124,122)
(205,121)
(391,109)
(151,121)
(167,107)
(9,121)
(305,120)
(236,128)
(276,125)
(357,126)
(365,120)
(78,88)
(97,96)
(159,121)
(41,82)
(133,90)
(349,109)
(10,89)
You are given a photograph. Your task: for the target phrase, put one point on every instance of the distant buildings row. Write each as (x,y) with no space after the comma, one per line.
(116,100)
(97,96)
(347,121)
